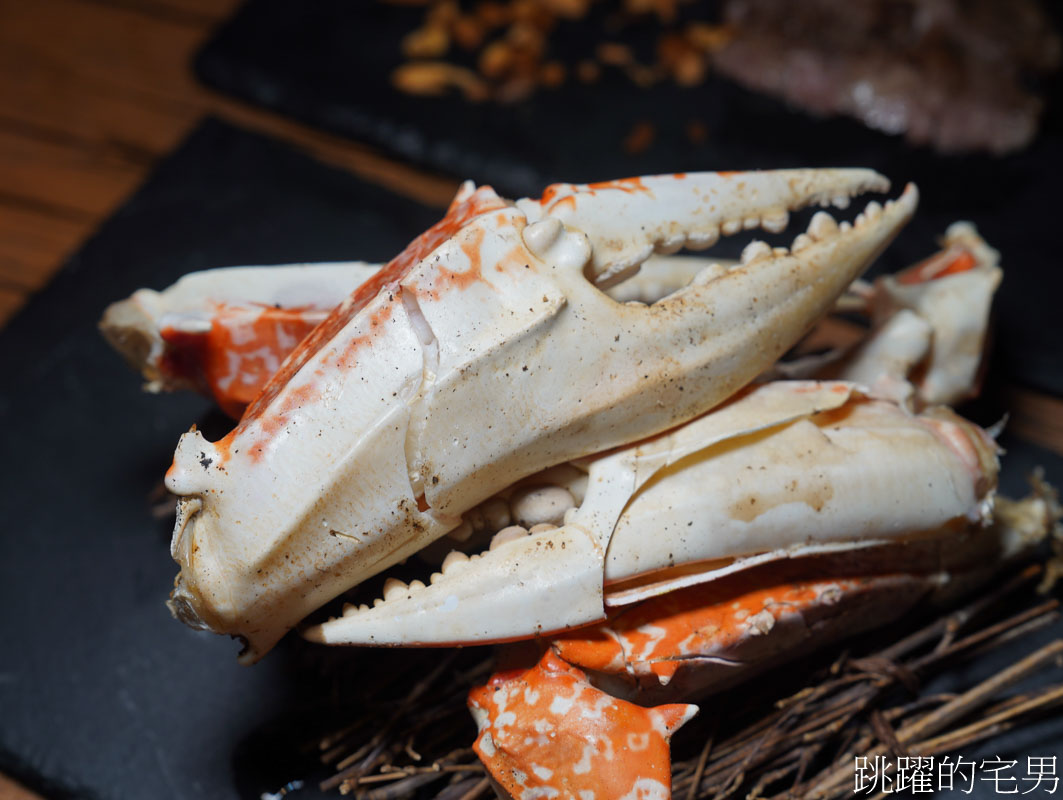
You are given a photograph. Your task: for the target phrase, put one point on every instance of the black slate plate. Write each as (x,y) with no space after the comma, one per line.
(102,695)
(101,692)
(328,62)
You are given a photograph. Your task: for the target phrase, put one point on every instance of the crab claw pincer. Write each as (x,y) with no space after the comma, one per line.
(484,353)
(786,471)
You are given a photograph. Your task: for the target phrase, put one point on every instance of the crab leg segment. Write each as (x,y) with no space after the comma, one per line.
(786,470)
(952,293)
(225,332)
(362,450)
(929,327)
(546,732)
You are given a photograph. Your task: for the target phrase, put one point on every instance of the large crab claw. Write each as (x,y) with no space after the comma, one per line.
(787,470)
(483,354)
(708,637)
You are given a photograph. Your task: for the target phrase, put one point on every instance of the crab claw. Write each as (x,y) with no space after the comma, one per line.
(786,470)
(225,332)
(362,449)
(631,218)
(705,638)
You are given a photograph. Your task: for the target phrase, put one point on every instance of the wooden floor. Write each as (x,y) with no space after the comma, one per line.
(92,94)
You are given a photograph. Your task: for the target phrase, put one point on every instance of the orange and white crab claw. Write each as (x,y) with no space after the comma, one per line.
(786,470)
(546,732)
(225,332)
(485,353)
(539,731)
(708,637)
(543,730)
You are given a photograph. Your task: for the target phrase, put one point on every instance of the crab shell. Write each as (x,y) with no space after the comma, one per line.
(784,471)
(362,449)
(225,332)
(567,726)
(560,736)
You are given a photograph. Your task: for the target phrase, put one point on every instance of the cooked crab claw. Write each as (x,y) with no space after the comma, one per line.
(630,219)
(483,354)
(224,332)
(788,469)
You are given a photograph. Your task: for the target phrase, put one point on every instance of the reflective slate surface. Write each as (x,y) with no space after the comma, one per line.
(102,694)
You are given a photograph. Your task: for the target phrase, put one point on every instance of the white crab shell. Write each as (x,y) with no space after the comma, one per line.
(483,354)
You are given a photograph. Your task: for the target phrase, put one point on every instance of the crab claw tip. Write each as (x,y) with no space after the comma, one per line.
(526,585)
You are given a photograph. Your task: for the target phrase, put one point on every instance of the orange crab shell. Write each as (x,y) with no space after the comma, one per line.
(546,732)
(704,639)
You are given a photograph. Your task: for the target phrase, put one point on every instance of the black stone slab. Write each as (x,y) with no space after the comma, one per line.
(328,62)
(102,694)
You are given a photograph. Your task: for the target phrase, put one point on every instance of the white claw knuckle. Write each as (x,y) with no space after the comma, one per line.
(541,236)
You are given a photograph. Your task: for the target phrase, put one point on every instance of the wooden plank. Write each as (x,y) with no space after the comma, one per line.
(100,73)
(143,97)
(77,178)
(186,12)
(1036,417)
(58,102)
(34,243)
(68,67)
(9,790)
(93,93)
(145,55)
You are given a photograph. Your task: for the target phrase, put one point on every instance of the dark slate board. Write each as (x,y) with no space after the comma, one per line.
(328,62)
(102,695)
